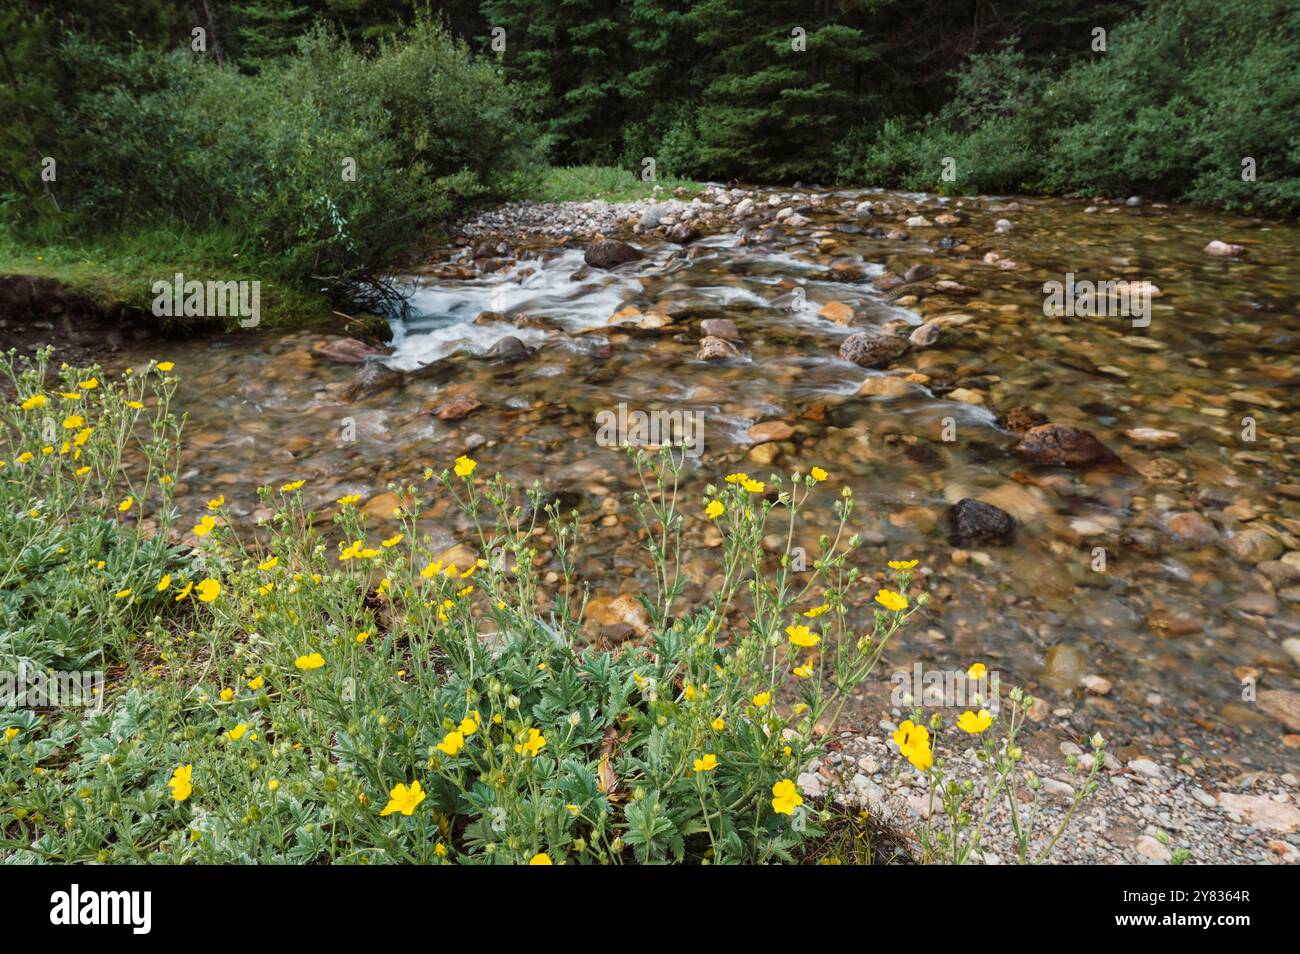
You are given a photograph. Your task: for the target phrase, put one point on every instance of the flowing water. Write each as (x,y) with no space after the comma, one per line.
(1182,628)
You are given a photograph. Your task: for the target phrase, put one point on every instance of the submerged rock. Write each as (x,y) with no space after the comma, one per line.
(974,521)
(870,349)
(1224,249)
(713,348)
(1060,445)
(720,328)
(610,253)
(507,350)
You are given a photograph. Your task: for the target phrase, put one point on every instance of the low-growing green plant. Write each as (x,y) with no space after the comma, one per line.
(289,693)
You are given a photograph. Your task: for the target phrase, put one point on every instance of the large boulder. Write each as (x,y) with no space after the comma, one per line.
(610,253)
(974,521)
(872,348)
(1060,445)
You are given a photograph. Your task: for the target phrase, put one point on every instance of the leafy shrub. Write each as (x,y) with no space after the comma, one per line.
(429,131)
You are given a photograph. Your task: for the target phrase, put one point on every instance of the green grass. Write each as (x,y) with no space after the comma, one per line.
(611,183)
(120,269)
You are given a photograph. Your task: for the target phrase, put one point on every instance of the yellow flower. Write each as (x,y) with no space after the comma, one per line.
(706,764)
(431,570)
(83,435)
(269,564)
(179,783)
(892,601)
(718,725)
(311,661)
(74,421)
(89,384)
(737,478)
(11,733)
(785,797)
(204,527)
(452,743)
(403,799)
(70,395)
(753,486)
(257,682)
(24,457)
(273,785)
(208,590)
(82,471)
(165,365)
(714,509)
(902,564)
(465,466)
(533,744)
(126,504)
(762,699)
(802,636)
(227,694)
(428,473)
(977,672)
(469,724)
(913,743)
(973,724)
(540,859)
(217,502)
(185,591)
(689,694)
(349,500)
(135,405)
(805,671)
(35,401)
(362,637)
(819,475)
(237,733)
(165,582)
(291,487)
(392,541)
(123,594)
(817,611)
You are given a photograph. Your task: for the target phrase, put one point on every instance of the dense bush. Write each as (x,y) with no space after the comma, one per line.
(1183,94)
(173,137)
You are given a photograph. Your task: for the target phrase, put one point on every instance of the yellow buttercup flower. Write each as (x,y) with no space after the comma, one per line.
(737,478)
(977,672)
(35,401)
(817,611)
(165,365)
(179,783)
(11,733)
(972,723)
(902,564)
(349,500)
(451,743)
(805,671)
(257,682)
(913,743)
(226,694)
(819,475)
(706,764)
(207,590)
(465,466)
(785,797)
(74,421)
(165,582)
(753,486)
(310,661)
(204,526)
(718,725)
(89,384)
(291,487)
(540,859)
(123,594)
(894,602)
(403,799)
(802,636)
(762,699)
(714,510)
(216,503)
(237,733)
(533,744)
(469,724)
(185,591)
(269,564)
(126,504)
(392,541)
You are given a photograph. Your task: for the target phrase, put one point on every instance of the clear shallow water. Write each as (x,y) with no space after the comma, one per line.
(1175,625)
